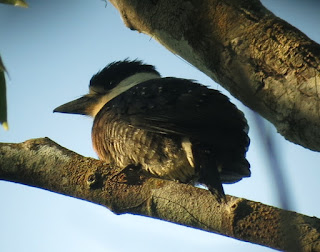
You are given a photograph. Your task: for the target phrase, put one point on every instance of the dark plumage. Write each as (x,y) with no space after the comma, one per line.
(172,128)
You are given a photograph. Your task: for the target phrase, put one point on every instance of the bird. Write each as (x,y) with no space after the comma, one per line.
(170,128)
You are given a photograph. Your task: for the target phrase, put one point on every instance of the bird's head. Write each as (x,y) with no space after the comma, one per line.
(114,79)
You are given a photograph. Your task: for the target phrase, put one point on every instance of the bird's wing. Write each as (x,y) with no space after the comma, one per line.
(182,107)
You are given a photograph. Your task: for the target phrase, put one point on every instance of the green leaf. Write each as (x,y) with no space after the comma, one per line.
(19,3)
(3,97)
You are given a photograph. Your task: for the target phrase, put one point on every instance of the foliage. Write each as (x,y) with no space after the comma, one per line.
(19,3)
(3,98)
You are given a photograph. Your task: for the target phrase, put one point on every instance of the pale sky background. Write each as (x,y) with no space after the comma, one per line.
(51,50)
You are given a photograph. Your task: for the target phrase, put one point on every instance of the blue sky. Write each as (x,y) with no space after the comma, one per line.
(51,50)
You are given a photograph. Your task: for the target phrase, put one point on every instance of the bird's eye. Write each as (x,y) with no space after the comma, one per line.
(111,83)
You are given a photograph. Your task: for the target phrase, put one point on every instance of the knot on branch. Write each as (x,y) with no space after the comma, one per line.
(95,180)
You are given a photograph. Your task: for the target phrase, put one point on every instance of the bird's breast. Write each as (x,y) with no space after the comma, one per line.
(161,155)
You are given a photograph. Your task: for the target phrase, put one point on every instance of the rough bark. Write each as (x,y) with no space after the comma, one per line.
(44,164)
(269,65)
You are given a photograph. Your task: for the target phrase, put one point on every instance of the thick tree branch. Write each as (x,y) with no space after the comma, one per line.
(263,61)
(44,164)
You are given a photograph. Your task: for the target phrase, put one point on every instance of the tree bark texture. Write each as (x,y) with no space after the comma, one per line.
(269,65)
(44,164)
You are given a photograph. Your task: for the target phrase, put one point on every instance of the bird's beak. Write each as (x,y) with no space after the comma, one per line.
(79,106)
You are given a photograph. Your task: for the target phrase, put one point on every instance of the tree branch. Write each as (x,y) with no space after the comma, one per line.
(269,65)
(44,164)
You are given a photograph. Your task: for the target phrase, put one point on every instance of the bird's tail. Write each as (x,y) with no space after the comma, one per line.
(213,182)
(209,174)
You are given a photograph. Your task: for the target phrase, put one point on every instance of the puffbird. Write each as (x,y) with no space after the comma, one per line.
(171,128)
